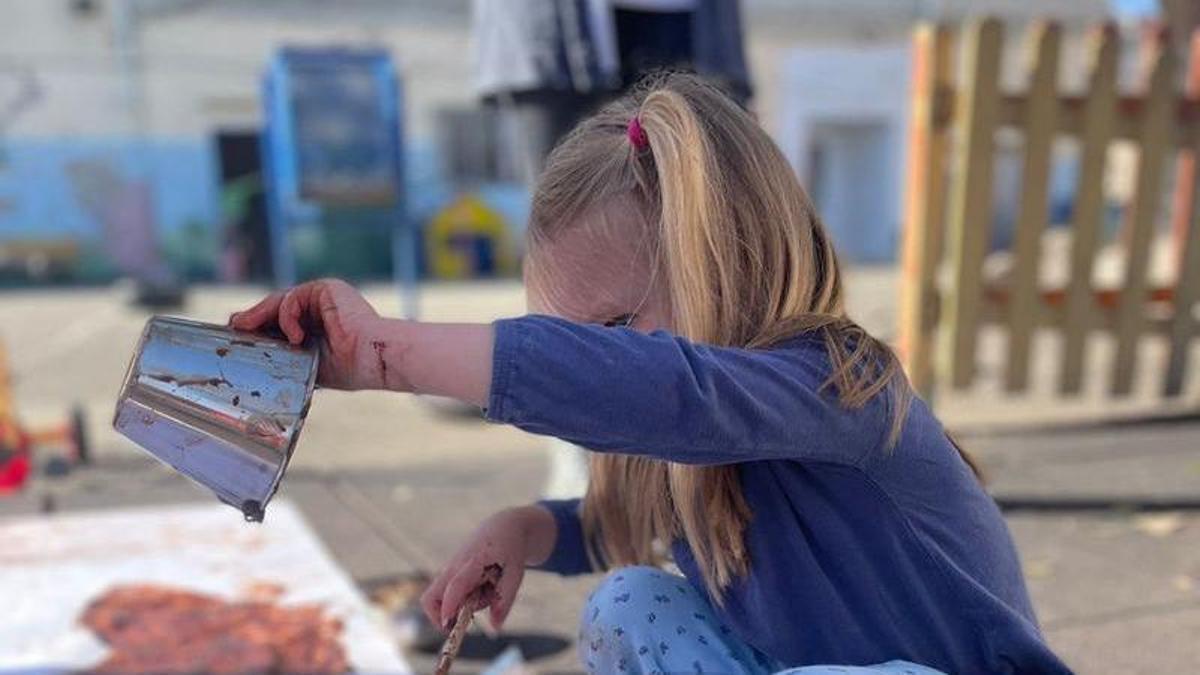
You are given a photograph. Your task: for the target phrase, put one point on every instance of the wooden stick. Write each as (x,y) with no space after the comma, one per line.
(462,623)
(454,641)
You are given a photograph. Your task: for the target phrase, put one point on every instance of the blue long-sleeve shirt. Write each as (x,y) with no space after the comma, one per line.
(859,552)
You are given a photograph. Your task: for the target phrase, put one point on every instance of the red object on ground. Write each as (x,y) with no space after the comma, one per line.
(14,473)
(14,461)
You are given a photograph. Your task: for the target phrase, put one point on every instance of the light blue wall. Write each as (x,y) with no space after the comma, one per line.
(39,198)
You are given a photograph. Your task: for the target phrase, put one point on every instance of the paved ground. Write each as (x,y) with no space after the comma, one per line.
(1117,589)
(392,483)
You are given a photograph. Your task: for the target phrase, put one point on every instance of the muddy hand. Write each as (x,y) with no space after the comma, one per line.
(333,314)
(492,561)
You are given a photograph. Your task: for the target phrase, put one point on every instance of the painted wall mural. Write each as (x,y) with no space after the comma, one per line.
(124,207)
(90,210)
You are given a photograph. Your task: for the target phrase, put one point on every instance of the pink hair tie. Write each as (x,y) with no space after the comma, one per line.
(637,135)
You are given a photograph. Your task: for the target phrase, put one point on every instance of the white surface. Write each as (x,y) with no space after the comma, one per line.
(52,566)
(568,470)
(830,88)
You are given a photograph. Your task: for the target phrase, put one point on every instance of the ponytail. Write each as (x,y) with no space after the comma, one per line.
(690,217)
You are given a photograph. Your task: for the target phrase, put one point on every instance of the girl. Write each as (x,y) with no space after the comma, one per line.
(690,330)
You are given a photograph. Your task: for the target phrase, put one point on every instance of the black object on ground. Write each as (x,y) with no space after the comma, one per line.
(479,647)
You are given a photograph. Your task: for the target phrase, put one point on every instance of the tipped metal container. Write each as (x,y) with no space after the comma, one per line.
(222,407)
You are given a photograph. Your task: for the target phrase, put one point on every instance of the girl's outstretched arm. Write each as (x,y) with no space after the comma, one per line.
(662,396)
(606,389)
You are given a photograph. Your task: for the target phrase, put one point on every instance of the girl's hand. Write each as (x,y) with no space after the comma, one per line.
(508,540)
(337,316)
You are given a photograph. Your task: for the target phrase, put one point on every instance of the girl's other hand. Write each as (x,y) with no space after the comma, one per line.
(333,313)
(503,540)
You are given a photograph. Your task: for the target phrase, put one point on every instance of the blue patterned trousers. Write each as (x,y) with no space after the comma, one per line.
(644,621)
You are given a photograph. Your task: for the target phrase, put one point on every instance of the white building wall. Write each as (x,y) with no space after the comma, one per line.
(202,60)
(72,65)
(201,68)
(827,91)
(221,86)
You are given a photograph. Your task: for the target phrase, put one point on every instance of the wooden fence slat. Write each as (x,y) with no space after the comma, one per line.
(1104,300)
(1156,130)
(1126,125)
(1185,234)
(1089,202)
(1185,163)
(924,208)
(1041,108)
(1187,294)
(970,216)
(1050,313)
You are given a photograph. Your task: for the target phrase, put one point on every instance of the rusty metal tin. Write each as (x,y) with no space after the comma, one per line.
(223,408)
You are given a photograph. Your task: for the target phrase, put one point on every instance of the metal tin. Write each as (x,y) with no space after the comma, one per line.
(223,408)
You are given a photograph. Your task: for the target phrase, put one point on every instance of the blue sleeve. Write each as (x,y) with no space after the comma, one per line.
(569,556)
(658,395)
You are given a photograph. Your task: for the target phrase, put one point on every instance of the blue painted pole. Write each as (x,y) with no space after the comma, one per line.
(405,261)
(283,263)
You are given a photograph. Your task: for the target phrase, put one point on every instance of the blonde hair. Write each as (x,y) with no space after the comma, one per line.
(746,263)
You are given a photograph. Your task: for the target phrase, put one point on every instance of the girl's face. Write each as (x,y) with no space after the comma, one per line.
(588,276)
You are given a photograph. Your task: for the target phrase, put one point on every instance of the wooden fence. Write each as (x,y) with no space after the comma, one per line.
(946,298)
